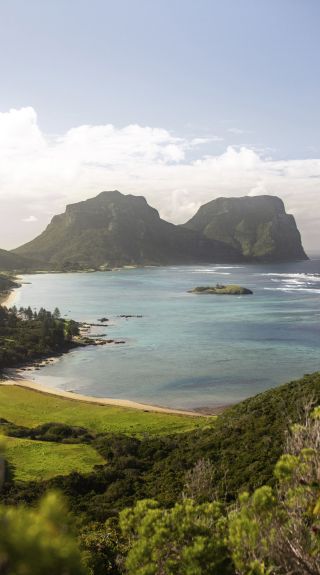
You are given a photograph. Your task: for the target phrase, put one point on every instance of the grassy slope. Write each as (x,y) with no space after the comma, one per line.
(243,444)
(43,460)
(31,408)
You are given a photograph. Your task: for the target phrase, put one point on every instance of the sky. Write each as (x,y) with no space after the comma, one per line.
(180,101)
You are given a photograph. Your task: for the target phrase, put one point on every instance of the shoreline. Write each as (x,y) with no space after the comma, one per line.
(7,298)
(27,384)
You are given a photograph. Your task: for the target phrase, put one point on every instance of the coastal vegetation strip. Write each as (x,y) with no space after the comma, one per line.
(8,284)
(27,335)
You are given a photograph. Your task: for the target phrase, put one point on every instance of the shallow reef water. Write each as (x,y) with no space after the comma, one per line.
(187,350)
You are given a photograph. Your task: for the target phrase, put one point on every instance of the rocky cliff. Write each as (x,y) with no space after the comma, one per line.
(113,229)
(258,227)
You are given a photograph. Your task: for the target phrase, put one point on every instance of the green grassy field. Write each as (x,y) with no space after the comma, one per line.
(38,460)
(30,408)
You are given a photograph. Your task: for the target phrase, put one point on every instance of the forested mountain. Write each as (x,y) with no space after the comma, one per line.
(258,228)
(13,262)
(114,229)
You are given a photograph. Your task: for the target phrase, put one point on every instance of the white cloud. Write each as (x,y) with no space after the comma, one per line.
(40,173)
(30,219)
(236,131)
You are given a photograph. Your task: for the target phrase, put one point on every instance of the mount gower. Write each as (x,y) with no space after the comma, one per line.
(257,227)
(114,229)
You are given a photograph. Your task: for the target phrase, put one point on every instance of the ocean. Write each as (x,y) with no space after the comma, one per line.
(187,350)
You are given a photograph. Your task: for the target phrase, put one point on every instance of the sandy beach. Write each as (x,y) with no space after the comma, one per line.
(16,379)
(8,298)
(98,400)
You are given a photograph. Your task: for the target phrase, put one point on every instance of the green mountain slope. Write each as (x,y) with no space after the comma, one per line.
(257,227)
(13,262)
(113,229)
(243,444)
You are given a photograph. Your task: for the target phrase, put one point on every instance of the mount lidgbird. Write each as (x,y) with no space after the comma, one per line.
(113,229)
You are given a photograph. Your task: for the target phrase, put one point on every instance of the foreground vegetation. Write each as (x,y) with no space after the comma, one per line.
(273,531)
(39,541)
(183,488)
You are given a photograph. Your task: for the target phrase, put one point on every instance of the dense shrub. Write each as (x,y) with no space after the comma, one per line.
(38,541)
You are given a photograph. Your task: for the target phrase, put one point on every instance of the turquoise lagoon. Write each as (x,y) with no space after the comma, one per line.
(187,350)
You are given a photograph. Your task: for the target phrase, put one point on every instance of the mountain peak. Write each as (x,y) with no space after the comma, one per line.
(113,229)
(258,227)
(116,195)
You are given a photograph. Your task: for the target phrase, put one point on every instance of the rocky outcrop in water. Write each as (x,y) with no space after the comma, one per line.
(222,290)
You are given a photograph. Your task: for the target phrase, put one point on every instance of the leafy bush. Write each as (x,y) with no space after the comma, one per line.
(58,432)
(38,541)
(277,531)
(187,539)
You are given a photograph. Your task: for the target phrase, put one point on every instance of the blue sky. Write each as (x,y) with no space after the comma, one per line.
(194,67)
(210,73)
